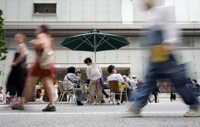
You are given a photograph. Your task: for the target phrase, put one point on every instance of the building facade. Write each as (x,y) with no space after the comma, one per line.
(122,17)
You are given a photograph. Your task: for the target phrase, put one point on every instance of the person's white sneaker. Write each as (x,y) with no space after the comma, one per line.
(192,113)
(127,107)
(134,111)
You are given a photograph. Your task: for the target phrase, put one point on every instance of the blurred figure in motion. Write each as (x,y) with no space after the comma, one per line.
(134,82)
(17,77)
(37,92)
(173,95)
(162,37)
(1,94)
(56,91)
(195,87)
(42,68)
(155,92)
(139,84)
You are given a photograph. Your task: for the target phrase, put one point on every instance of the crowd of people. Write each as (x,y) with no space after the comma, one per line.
(28,85)
(73,81)
(21,82)
(162,36)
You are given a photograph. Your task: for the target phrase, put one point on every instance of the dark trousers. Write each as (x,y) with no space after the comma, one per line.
(173,96)
(104,93)
(155,96)
(169,70)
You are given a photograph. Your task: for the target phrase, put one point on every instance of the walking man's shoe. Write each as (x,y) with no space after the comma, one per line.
(192,113)
(131,108)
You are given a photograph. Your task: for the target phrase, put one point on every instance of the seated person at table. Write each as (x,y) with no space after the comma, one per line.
(71,83)
(114,76)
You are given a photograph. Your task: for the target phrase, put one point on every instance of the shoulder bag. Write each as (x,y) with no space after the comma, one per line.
(47,58)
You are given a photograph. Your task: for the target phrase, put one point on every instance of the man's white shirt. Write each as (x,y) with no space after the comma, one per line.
(117,77)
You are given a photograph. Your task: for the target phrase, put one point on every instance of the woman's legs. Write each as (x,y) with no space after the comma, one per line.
(30,87)
(48,82)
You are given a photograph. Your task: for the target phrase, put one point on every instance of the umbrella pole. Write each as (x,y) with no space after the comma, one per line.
(95,47)
(95,55)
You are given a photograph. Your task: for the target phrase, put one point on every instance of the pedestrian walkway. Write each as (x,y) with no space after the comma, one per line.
(154,114)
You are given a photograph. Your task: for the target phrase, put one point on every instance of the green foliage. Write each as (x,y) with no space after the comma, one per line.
(3,47)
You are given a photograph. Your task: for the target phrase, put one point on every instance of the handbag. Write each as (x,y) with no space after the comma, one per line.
(101,80)
(47,58)
(87,81)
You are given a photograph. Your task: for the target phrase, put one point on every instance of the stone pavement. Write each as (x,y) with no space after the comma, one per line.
(164,114)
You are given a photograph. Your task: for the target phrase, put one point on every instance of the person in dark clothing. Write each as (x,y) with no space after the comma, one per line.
(104,93)
(195,87)
(139,84)
(173,95)
(17,77)
(155,92)
(189,81)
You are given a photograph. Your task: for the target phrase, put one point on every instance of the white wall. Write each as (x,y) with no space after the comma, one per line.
(72,11)
(95,11)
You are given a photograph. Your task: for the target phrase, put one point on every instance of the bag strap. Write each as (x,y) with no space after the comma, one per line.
(70,80)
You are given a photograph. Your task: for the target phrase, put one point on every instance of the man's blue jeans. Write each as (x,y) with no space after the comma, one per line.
(160,70)
(80,93)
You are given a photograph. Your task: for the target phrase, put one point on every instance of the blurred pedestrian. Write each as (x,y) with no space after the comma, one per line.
(134,82)
(18,74)
(38,92)
(196,87)
(173,94)
(94,74)
(43,66)
(161,38)
(56,91)
(139,84)
(1,94)
(155,92)
(42,94)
